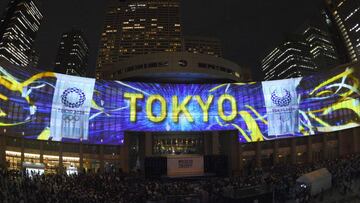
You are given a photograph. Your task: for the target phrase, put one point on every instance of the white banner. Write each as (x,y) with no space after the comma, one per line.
(282,106)
(71,107)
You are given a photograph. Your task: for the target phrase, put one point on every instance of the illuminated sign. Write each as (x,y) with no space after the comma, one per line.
(51,106)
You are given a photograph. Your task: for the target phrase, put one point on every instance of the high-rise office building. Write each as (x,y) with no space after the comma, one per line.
(311,49)
(34,59)
(73,52)
(291,59)
(346,15)
(202,45)
(18,29)
(136,27)
(322,48)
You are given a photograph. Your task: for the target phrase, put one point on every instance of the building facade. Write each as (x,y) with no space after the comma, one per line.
(346,15)
(202,45)
(181,67)
(18,29)
(242,158)
(313,49)
(291,59)
(322,48)
(136,27)
(73,52)
(34,59)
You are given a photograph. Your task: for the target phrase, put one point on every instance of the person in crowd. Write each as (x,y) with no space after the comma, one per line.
(118,187)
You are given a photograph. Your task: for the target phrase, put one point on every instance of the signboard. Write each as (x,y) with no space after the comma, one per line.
(185,166)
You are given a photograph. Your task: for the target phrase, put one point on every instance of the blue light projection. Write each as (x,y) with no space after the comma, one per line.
(52,106)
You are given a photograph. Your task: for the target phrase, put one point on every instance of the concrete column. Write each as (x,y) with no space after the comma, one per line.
(61,165)
(215,143)
(2,152)
(102,162)
(356,140)
(293,151)
(81,158)
(41,151)
(309,149)
(234,144)
(22,152)
(341,143)
(276,152)
(124,153)
(258,154)
(208,143)
(140,141)
(241,163)
(148,144)
(119,158)
(324,146)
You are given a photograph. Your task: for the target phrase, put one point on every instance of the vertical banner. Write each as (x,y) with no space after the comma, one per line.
(282,106)
(71,107)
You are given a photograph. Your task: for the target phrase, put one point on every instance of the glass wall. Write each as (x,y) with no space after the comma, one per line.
(32,158)
(13,160)
(70,162)
(91,165)
(178,144)
(51,163)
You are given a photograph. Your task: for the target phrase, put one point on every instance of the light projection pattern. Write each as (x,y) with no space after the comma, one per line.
(52,106)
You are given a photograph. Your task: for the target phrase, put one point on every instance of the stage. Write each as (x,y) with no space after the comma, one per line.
(186,166)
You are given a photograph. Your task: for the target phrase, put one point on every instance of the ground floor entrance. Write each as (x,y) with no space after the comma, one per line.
(186,149)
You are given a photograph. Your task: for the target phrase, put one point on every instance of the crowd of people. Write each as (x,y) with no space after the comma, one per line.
(344,172)
(118,187)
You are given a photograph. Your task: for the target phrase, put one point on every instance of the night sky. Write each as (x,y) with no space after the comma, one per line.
(248,29)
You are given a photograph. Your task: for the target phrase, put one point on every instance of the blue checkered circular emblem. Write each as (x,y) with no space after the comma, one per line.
(283,100)
(73,97)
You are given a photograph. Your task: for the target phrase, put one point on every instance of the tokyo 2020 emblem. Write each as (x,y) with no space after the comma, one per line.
(73,97)
(281,98)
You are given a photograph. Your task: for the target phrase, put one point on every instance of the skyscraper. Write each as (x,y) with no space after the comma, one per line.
(136,27)
(311,49)
(202,45)
(72,56)
(33,59)
(346,15)
(322,48)
(291,59)
(18,30)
